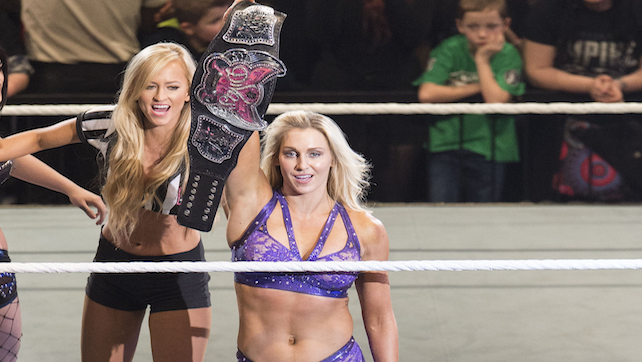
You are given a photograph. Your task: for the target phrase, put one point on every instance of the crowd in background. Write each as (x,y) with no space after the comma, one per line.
(351,46)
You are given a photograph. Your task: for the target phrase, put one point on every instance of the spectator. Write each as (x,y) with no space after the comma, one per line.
(82,46)
(298,50)
(443,24)
(369,46)
(78,48)
(585,47)
(364,45)
(468,153)
(20,70)
(194,25)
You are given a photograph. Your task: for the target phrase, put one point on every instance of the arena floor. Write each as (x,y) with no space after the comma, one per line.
(543,316)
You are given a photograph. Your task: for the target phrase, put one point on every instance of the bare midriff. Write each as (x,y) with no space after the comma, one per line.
(158,234)
(277,324)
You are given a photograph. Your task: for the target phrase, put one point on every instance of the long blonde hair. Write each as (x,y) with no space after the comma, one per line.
(348,180)
(127,188)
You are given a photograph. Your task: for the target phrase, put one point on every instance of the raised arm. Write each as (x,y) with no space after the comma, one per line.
(32,170)
(246,190)
(222,123)
(374,293)
(32,141)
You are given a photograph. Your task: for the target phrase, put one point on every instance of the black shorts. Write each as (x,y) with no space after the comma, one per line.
(161,291)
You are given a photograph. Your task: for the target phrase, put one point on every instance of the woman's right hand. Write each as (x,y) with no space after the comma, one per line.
(227,12)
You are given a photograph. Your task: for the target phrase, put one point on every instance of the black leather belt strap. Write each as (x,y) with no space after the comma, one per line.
(231,91)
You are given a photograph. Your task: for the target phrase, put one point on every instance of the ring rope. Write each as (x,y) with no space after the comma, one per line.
(338,109)
(380,108)
(328,266)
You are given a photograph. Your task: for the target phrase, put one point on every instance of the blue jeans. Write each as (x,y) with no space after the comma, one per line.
(464,176)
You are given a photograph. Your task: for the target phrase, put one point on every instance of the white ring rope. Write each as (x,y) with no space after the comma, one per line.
(328,266)
(343,266)
(380,108)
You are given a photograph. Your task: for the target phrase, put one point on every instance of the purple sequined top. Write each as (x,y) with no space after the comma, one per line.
(257,245)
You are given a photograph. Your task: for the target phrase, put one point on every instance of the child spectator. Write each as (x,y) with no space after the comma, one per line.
(443,22)
(468,152)
(194,25)
(593,48)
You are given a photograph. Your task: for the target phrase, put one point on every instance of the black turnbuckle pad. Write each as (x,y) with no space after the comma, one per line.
(231,91)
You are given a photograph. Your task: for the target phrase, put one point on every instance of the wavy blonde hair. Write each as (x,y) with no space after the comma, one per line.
(349,178)
(127,188)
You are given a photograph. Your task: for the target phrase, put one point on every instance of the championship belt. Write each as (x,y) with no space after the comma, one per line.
(231,91)
(5,170)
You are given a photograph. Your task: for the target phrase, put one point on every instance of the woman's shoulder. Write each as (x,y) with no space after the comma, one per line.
(102,111)
(96,118)
(367,226)
(95,126)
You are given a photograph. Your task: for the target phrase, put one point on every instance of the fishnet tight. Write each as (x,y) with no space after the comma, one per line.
(10,331)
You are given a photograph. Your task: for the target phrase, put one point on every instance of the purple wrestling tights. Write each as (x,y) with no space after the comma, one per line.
(351,352)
